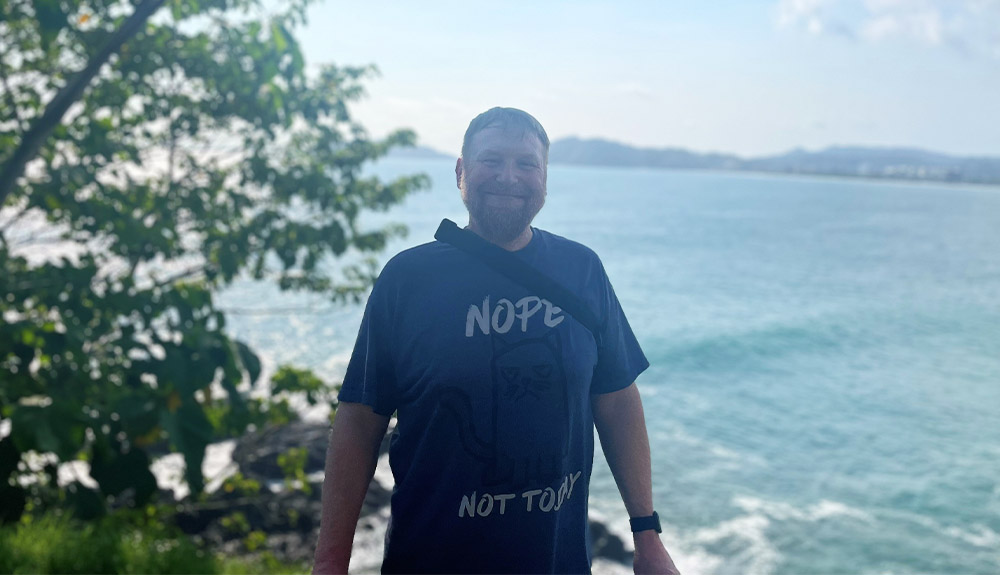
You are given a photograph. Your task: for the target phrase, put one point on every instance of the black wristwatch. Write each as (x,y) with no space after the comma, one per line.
(645,523)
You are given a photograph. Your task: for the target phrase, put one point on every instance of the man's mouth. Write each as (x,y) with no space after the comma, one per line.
(507,192)
(503,191)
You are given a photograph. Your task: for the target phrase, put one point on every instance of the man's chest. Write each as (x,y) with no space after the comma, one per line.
(495,342)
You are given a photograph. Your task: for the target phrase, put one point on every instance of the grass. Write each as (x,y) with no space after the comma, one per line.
(56,543)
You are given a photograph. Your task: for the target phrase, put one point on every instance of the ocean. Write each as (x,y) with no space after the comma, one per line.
(825,380)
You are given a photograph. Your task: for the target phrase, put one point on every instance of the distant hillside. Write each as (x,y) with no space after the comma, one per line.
(895,163)
(607,153)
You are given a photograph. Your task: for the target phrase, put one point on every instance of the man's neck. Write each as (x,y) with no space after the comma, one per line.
(512,246)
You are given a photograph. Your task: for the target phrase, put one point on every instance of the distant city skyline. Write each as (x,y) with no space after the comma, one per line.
(751,78)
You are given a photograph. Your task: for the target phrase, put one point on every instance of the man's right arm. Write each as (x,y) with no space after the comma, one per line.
(355,437)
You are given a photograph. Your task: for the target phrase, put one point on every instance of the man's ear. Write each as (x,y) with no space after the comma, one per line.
(458,173)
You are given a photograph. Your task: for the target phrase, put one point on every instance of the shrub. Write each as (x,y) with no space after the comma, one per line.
(57,543)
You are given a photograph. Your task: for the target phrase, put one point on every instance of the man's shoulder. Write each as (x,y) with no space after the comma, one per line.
(419,254)
(418,258)
(564,247)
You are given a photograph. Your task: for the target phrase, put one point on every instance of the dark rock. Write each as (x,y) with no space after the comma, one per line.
(257,453)
(607,545)
(290,519)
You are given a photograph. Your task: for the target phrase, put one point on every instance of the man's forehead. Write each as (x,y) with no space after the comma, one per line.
(496,135)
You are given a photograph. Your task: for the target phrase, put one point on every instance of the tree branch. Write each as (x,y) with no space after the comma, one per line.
(14,217)
(33,139)
(190,272)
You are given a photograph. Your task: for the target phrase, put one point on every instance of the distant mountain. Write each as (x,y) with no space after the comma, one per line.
(606,153)
(893,163)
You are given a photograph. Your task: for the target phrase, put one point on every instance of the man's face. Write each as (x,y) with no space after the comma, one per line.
(502,180)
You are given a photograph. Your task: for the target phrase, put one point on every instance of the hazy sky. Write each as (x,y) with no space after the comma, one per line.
(751,77)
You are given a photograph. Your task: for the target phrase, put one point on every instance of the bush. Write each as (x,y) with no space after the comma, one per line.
(57,543)
(123,542)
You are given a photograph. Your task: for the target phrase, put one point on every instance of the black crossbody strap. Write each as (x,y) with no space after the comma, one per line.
(519,271)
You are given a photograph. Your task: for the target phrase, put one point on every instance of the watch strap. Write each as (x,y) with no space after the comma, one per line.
(645,523)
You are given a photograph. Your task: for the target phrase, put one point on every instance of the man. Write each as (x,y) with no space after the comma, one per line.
(496,391)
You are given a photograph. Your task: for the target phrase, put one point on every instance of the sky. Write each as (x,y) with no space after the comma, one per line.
(750,77)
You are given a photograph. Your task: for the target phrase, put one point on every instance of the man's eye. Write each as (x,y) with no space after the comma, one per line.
(491,161)
(527,164)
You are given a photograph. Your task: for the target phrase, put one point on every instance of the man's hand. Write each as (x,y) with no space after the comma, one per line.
(651,556)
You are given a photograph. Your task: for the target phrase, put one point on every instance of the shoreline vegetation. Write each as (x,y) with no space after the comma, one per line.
(873,163)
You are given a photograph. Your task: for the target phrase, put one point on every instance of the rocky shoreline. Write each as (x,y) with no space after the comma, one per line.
(289,518)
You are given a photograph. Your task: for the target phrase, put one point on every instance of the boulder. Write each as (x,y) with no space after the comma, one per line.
(257,453)
(607,545)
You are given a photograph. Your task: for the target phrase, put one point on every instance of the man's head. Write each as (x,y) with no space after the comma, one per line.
(502,172)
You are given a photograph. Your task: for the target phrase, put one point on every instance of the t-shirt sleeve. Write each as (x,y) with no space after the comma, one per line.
(370,377)
(619,358)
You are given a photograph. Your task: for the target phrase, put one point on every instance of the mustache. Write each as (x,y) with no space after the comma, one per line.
(516,189)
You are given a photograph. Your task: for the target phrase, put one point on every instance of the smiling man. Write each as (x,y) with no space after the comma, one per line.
(496,389)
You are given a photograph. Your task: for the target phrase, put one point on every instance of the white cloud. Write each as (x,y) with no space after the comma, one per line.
(809,14)
(918,20)
(969,26)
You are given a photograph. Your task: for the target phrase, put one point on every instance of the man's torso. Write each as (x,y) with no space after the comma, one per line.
(493,448)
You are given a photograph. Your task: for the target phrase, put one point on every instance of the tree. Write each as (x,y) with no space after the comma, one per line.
(201,150)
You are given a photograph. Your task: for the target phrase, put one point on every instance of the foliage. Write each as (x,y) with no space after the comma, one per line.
(290,380)
(293,465)
(263,562)
(238,483)
(56,543)
(118,543)
(202,151)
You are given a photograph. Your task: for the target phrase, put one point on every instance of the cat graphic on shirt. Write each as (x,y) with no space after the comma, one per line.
(529,424)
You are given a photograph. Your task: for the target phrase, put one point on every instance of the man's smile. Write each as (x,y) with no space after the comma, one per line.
(507,195)
(504,199)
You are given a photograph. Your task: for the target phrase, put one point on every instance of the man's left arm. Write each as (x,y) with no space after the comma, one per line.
(621,426)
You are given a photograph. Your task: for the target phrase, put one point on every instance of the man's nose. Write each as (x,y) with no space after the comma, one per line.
(508,173)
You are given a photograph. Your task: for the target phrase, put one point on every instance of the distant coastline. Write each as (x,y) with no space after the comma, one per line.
(906,164)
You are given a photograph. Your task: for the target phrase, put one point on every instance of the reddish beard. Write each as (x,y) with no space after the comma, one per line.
(498,224)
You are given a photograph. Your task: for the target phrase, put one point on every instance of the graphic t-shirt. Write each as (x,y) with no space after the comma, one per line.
(494,443)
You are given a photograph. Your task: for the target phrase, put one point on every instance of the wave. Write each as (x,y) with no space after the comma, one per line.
(976,534)
(751,350)
(782,511)
(744,543)
(744,540)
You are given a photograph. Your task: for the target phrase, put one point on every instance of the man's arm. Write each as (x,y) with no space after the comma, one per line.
(621,426)
(355,437)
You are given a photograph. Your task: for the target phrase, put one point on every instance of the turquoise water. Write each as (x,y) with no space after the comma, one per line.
(825,355)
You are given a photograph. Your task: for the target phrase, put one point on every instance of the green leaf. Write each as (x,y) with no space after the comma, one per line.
(249,360)
(51,19)
(278,36)
(190,432)
(86,503)
(117,473)
(14,500)
(10,456)
(33,429)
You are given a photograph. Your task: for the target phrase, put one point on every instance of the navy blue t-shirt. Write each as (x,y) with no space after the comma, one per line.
(494,441)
